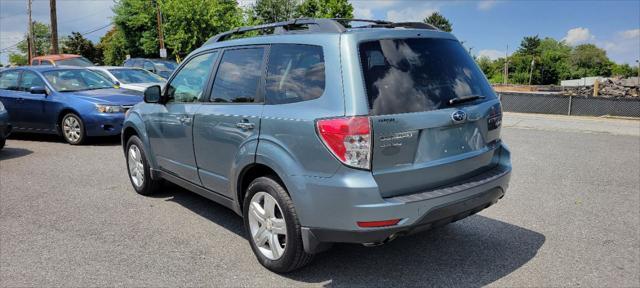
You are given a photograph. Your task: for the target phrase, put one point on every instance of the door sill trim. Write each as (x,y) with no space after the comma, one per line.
(204,192)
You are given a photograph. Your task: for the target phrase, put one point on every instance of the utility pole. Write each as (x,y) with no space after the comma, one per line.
(506,66)
(163,51)
(54,27)
(30,46)
(533,62)
(638,61)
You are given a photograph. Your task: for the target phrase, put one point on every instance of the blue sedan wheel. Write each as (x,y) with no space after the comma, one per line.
(73,129)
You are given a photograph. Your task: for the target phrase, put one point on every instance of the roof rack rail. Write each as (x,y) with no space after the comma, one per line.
(314,25)
(410,25)
(335,25)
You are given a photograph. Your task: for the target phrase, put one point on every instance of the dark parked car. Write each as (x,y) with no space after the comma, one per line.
(5,126)
(71,101)
(162,67)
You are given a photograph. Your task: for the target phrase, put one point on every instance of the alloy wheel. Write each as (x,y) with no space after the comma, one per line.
(267,225)
(71,128)
(136,168)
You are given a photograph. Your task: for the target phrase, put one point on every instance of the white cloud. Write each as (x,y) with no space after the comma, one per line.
(374,4)
(491,54)
(623,47)
(578,35)
(630,34)
(486,4)
(409,14)
(363,13)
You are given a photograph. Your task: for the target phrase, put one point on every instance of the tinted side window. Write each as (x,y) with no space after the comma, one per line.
(35,62)
(9,80)
(188,84)
(295,73)
(238,76)
(28,80)
(46,62)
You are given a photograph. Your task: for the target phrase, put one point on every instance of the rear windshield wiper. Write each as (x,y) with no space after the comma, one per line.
(459,100)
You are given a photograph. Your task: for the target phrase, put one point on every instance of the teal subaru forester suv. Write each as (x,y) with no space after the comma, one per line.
(319,131)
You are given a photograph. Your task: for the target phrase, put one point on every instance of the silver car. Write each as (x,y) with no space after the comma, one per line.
(129,77)
(325,132)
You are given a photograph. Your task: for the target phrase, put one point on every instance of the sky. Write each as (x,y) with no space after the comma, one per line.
(487,27)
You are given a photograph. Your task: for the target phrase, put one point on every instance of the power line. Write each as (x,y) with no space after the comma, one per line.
(82,34)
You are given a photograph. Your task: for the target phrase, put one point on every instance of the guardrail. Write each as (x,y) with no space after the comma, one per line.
(570,105)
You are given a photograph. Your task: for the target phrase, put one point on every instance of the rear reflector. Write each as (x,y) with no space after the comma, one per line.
(349,139)
(384,223)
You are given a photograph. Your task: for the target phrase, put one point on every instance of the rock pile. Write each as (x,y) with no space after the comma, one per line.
(608,87)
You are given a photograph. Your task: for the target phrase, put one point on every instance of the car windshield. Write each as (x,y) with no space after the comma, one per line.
(418,74)
(165,65)
(70,80)
(77,61)
(127,76)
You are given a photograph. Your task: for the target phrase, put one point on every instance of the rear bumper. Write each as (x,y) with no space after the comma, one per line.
(329,213)
(317,239)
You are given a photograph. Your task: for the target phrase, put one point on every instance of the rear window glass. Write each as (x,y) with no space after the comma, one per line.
(77,61)
(295,73)
(416,75)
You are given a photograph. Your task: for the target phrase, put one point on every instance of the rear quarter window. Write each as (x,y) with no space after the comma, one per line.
(295,73)
(9,80)
(419,74)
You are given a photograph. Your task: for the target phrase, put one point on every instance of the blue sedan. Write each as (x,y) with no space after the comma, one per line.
(73,102)
(5,127)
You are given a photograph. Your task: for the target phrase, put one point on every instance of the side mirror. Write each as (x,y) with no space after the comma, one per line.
(152,94)
(38,90)
(117,84)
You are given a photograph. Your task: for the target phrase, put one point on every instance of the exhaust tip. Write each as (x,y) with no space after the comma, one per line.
(380,243)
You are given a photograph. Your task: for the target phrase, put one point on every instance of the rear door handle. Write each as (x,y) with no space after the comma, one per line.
(245,125)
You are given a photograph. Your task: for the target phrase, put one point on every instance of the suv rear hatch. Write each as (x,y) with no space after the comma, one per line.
(435,120)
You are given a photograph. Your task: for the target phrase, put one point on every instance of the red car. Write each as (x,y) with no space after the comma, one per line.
(61,60)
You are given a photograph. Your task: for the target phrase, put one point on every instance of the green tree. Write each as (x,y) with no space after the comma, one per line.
(77,44)
(442,23)
(589,60)
(18,59)
(41,43)
(552,63)
(268,11)
(187,24)
(623,70)
(486,65)
(325,9)
(136,22)
(114,47)
(530,45)
(190,23)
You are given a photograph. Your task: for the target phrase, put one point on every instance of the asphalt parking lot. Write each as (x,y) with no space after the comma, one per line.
(68,217)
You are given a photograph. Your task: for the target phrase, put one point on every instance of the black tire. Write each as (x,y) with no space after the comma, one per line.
(294,256)
(78,135)
(2,143)
(149,186)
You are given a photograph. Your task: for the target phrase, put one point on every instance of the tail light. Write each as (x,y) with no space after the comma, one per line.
(349,139)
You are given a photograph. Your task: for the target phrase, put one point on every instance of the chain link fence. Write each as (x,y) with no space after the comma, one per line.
(569,105)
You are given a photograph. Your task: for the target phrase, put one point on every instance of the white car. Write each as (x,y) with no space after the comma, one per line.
(130,77)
